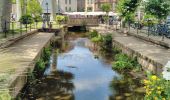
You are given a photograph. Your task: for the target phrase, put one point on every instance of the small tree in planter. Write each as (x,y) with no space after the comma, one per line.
(37,19)
(26,19)
(127,8)
(60,19)
(106,8)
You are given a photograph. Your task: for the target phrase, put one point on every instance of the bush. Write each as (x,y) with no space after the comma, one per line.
(123,62)
(93,34)
(26,19)
(40,65)
(4,95)
(37,18)
(156,88)
(46,54)
(106,45)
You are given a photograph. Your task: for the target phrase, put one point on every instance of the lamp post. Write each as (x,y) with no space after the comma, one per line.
(26,14)
(47,19)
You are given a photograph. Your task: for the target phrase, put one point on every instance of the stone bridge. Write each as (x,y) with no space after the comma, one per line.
(83,21)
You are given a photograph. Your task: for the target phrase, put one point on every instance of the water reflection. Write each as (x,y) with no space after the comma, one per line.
(56,86)
(92,76)
(126,88)
(80,76)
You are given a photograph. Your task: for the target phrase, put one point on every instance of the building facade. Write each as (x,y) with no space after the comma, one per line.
(89,5)
(80,5)
(98,4)
(66,6)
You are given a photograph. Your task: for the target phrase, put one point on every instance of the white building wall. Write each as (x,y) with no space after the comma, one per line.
(66,6)
(89,4)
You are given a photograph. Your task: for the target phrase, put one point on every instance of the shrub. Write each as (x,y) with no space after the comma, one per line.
(106,45)
(26,19)
(121,65)
(93,34)
(123,62)
(37,18)
(46,54)
(4,95)
(156,88)
(40,65)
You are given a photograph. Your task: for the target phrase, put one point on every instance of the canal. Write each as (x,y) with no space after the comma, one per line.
(80,75)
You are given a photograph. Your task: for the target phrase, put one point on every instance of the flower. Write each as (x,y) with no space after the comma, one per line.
(158,87)
(154,77)
(146,81)
(159,92)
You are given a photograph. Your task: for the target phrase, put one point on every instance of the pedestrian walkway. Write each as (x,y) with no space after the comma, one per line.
(152,52)
(143,34)
(9,38)
(16,59)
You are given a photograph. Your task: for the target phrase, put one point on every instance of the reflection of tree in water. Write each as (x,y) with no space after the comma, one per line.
(57,86)
(126,88)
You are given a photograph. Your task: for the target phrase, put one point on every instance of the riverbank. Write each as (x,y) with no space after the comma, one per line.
(18,59)
(152,57)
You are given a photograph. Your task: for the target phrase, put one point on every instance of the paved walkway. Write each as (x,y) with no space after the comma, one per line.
(148,49)
(4,41)
(144,35)
(16,58)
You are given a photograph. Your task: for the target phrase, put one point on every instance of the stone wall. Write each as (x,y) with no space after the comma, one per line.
(146,63)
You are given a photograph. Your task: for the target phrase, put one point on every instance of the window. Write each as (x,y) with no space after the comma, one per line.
(69,1)
(66,9)
(69,8)
(65,1)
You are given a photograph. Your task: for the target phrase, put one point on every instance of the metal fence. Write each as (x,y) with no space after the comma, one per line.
(159,30)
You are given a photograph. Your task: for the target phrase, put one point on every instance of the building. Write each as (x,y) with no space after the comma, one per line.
(80,5)
(89,5)
(66,6)
(98,4)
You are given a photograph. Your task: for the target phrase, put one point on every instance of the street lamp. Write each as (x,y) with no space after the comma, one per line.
(47,19)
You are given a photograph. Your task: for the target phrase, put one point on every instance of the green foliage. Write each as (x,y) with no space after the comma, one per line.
(127,8)
(156,88)
(96,39)
(34,7)
(123,62)
(37,18)
(93,34)
(13,1)
(116,50)
(40,65)
(4,95)
(46,54)
(60,18)
(26,19)
(158,8)
(152,20)
(106,7)
(106,45)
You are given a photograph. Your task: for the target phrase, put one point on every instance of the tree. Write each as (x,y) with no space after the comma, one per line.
(126,9)
(34,8)
(158,8)
(106,8)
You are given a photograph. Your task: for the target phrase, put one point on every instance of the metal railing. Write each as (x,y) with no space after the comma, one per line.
(159,30)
